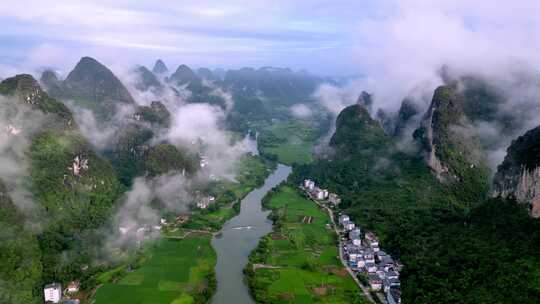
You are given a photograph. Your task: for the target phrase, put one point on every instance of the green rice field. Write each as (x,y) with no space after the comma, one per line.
(177,272)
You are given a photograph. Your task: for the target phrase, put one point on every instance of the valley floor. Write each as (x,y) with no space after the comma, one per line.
(179,268)
(299,261)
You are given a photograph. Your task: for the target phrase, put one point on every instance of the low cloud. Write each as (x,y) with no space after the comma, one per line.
(18,122)
(301,111)
(200,127)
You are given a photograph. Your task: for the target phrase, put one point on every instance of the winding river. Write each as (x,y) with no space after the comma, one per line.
(240,235)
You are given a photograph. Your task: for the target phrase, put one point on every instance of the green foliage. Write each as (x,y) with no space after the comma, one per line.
(456,246)
(75,205)
(156,114)
(301,263)
(129,154)
(165,158)
(20,267)
(357,131)
(488,255)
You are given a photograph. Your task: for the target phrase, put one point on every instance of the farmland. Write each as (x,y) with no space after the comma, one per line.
(291,141)
(298,262)
(177,271)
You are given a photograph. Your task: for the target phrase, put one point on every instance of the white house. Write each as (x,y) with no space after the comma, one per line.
(361,262)
(368,256)
(73,287)
(392,275)
(310,185)
(344,218)
(371,267)
(375,282)
(354,236)
(372,240)
(124,230)
(205,202)
(334,198)
(325,193)
(319,194)
(53,293)
(307,182)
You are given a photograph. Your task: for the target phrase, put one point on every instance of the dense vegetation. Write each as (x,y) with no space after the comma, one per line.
(20,270)
(72,190)
(457,245)
(489,255)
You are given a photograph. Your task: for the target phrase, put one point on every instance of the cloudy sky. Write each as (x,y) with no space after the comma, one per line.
(327,37)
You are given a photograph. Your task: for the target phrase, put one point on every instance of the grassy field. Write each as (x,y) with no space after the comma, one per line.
(306,255)
(177,272)
(292,141)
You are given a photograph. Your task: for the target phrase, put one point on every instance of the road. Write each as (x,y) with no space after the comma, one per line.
(364,289)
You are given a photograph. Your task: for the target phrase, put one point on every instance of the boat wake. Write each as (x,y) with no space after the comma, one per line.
(241,228)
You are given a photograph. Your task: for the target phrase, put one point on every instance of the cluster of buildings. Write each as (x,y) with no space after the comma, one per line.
(320,194)
(53,293)
(204,202)
(362,253)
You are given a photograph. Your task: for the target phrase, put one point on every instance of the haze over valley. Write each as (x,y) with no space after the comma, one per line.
(269,152)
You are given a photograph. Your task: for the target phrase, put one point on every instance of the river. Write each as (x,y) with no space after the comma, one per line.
(240,235)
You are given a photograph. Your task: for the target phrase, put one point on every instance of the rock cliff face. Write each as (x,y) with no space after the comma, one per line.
(446,137)
(518,176)
(27,90)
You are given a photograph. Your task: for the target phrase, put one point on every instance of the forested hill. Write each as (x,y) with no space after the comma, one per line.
(458,246)
(69,191)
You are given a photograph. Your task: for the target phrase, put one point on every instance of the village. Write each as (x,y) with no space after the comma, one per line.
(54,293)
(360,251)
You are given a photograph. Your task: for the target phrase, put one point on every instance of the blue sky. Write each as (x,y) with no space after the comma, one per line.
(395,42)
(313,35)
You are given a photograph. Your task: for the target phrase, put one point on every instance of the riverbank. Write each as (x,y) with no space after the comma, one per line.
(301,257)
(239,237)
(180,267)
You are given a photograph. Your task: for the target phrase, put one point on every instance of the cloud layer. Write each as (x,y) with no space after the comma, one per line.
(230,33)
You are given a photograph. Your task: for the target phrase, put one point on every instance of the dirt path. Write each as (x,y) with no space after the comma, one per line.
(261,266)
(364,289)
